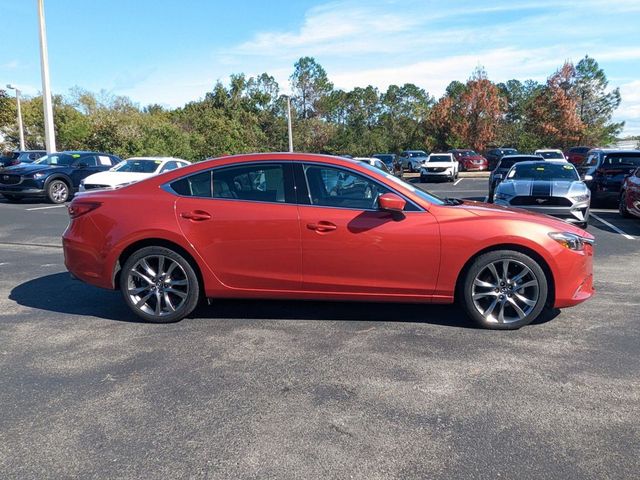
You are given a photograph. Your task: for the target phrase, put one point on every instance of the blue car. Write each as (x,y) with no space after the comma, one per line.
(55,177)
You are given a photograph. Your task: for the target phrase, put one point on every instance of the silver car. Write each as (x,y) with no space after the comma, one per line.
(549,187)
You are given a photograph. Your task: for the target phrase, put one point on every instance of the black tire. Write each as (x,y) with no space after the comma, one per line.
(128,284)
(517,259)
(622,206)
(12,198)
(58,191)
(423,179)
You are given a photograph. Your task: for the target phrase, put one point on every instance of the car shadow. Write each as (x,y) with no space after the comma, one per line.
(61,294)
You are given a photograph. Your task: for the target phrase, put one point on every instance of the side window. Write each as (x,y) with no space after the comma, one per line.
(198,185)
(89,161)
(169,166)
(257,183)
(334,187)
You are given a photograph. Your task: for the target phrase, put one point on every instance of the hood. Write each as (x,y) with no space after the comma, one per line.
(115,178)
(504,213)
(438,164)
(30,168)
(541,188)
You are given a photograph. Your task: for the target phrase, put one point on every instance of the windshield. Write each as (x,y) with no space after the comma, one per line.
(551,155)
(543,171)
(137,166)
(439,158)
(416,153)
(468,153)
(56,159)
(621,160)
(420,193)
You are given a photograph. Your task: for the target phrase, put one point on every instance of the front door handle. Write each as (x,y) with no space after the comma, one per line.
(196,215)
(322,227)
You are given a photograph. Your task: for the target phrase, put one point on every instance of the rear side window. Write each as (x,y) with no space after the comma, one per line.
(621,160)
(198,185)
(257,183)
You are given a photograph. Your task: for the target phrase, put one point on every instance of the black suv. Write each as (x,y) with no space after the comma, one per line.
(503,167)
(24,156)
(55,177)
(604,170)
(494,155)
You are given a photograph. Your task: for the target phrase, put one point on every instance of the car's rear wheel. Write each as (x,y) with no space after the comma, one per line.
(504,290)
(622,206)
(58,191)
(159,285)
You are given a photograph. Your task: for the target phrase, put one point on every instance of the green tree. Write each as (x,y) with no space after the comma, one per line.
(310,85)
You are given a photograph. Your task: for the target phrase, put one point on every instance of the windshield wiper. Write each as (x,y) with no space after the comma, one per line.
(452,201)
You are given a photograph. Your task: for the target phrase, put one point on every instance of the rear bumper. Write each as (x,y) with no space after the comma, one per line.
(85,256)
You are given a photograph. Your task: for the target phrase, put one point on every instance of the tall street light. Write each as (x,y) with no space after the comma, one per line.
(289,123)
(49,131)
(20,128)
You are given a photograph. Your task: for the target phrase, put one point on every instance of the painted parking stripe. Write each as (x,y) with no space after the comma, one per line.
(457,181)
(613,227)
(44,208)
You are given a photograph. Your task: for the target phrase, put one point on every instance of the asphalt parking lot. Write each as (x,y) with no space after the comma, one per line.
(253,389)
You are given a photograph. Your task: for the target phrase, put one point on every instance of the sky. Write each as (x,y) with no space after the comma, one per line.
(171,52)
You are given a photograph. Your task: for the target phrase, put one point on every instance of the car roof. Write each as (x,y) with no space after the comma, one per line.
(542,162)
(544,150)
(158,158)
(520,155)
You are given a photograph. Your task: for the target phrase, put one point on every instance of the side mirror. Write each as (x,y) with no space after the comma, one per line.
(588,178)
(498,177)
(390,202)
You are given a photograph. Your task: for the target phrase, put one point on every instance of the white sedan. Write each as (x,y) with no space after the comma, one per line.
(130,171)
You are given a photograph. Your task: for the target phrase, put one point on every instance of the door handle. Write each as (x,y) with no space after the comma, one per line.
(322,227)
(196,215)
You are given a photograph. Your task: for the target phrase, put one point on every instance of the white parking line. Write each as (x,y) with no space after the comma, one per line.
(613,227)
(44,208)
(457,181)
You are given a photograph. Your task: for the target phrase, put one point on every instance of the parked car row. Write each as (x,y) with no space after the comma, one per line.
(59,176)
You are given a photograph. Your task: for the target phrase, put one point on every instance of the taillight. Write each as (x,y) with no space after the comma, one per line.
(79,208)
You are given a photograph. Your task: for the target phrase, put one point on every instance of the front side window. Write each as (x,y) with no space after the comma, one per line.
(621,160)
(335,187)
(88,161)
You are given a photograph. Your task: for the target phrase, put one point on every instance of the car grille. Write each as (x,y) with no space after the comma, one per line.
(541,201)
(436,169)
(94,186)
(6,179)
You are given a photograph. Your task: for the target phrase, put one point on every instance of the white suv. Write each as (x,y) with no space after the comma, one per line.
(439,165)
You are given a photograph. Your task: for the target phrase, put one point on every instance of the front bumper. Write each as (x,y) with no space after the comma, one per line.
(427,173)
(577,213)
(23,192)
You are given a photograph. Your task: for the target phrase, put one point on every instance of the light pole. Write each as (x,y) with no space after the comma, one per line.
(289,123)
(49,131)
(20,128)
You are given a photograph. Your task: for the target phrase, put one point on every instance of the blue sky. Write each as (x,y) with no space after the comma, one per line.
(170,52)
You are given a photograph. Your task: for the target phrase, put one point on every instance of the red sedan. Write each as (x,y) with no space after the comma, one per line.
(469,160)
(629,204)
(300,226)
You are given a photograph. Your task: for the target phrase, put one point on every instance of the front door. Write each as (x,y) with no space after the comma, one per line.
(243,221)
(349,246)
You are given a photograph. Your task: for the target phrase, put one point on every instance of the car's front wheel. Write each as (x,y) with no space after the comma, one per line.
(159,285)
(58,191)
(622,206)
(504,289)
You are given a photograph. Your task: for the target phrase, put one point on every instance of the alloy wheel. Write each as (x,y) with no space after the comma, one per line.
(505,291)
(59,192)
(157,285)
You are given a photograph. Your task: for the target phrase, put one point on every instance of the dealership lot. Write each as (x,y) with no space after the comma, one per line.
(256,389)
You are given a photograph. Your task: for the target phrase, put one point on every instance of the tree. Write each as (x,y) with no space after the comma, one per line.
(595,104)
(311,85)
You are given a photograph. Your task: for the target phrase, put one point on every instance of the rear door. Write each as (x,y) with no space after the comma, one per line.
(349,246)
(242,219)
(84,166)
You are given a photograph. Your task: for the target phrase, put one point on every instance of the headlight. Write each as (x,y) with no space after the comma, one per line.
(38,175)
(501,196)
(570,240)
(581,198)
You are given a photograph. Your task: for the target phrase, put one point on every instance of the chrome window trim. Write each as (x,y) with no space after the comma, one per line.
(167,186)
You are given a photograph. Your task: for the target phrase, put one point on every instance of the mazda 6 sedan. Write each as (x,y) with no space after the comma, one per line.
(302,226)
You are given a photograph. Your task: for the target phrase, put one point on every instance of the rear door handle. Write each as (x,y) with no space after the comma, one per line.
(322,227)
(196,215)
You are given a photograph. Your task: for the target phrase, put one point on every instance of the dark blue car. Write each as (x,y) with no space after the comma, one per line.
(55,177)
